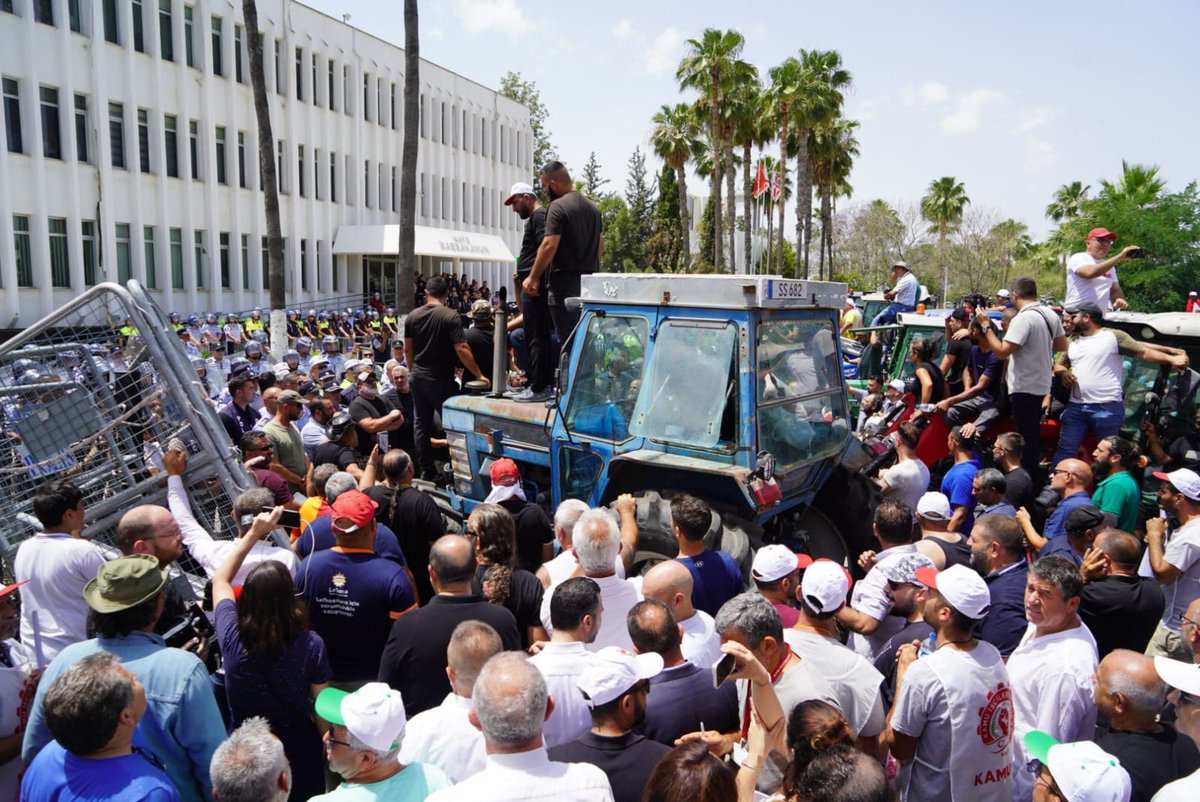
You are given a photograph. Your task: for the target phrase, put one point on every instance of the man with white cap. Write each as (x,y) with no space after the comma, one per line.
(856,683)
(615,687)
(1183,679)
(362,745)
(776,574)
(951,722)
(535,311)
(1075,772)
(903,295)
(937,542)
(1176,565)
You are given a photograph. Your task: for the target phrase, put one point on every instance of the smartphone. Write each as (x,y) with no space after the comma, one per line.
(722,669)
(290,519)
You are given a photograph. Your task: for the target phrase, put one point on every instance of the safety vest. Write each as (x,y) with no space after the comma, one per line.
(254,325)
(128,331)
(375,324)
(390,322)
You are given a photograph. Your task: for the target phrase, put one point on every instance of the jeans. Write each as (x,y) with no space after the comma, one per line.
(536,322)
(983,410)
(1078,419)
(1027,419)
(888,315)
(428,397)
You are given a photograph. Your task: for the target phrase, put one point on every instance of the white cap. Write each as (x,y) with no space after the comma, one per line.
(896,385)
(1179,675)
(775,562)
(1184,480)
(519,188)
(961,587)
(934,506)
(374,714)
(1003,293)
(824,586)
(1082,770)
(613,671)
(903,568)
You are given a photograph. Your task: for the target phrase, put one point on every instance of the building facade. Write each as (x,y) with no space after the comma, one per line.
(131,151)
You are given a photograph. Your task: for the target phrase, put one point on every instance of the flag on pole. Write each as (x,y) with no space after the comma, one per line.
(760,179)
(776,186)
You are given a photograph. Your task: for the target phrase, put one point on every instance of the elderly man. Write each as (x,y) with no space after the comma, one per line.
(399,396)
(93,709)
(597,541)
(1119,607)
(1183,680)
(340,447)
(1051,669)
(372,413)
(1092,273)
(576,612)
(1176,565)
(250,766)
(990,490)
(564,565)
(182,725)
(442,736)
(1070,480)
(510,705)
(671,583)
(1130,694)
(903,295)
(362,745)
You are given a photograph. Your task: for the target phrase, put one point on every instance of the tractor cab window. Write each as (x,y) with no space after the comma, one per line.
(608,377)
(690,392)
(801,411)
(935,336)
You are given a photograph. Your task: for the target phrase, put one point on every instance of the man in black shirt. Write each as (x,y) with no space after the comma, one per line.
(535,312)
(616,686)
(958,351)
(341,447)
(414,659)
(414,515)
(434,343)
(1120,608)
(573,243)
(481,336)
(535,531)
(372,413)
(1008,451)
(399,396)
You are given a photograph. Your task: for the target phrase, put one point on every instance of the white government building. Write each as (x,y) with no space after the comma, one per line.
(131,151)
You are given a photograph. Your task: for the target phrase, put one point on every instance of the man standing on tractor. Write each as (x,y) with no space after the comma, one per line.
(903,295)
(1091,277)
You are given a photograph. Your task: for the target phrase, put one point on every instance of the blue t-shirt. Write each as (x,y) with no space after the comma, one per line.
(984,363)
(1060,545)
(353,596)
(716,579)
(56,775)
(956,486)
(1056,524)
(320,530)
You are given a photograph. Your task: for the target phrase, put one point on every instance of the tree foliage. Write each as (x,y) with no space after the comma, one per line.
(514,87)
(592,181)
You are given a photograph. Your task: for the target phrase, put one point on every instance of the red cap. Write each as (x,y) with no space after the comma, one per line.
(504,472)
(7,589)
(355,508)
(1101,233)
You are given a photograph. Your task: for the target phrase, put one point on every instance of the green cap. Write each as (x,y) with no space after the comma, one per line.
(125,582)
(1038,743)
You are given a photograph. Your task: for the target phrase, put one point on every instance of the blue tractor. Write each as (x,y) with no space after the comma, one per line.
(727,387)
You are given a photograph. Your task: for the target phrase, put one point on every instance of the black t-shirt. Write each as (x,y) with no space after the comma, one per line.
(939,382)
(362,408)
(1152,759)
(434,330)
(524,599)
(1021,493)
(885,663)
(418,522)
(334,454)
(1185,452)
(480,342)
(961,351)
(534,530)
(577,220)
(1121,611)
(627,759)
(535,229)
(402,437)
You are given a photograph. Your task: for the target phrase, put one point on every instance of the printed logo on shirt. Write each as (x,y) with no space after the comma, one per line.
(996,720)
(338,580)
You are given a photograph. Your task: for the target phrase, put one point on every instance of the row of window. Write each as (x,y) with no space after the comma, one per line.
(382,100)
(230,265)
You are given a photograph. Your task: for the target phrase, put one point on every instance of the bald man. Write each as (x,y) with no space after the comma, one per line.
(151,529)
(1071,480)
(1129,693)
(1121,608)
(670,582)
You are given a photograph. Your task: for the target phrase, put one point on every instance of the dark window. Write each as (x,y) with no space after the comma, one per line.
(395,115)
(218,63)
(332,105)
(333,177)
(264,264)
(81,128)
(279,66)
(347,91)
(194,148)
(198,256)
(281,184)
(366,97)
(221,177)
(43,11)
(224,240)
(139,34)
(60,259)
(6,5)
(171,146)
(304,264)
(124,260)
(237,53)
(316,173)
(12,115)
(74,19)
(189,38)
(116,134)
(51,133)
(166,40)
(315,83)
(242,159)
(110,22)
(177,258)
(88,229)
(148,257)
(24,253)
(299,75)
(367,184)
(244,264)
(300,170)
(336,265)
(144,140)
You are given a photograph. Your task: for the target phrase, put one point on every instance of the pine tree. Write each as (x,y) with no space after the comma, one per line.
(663,250)
(592,182)
(640,202)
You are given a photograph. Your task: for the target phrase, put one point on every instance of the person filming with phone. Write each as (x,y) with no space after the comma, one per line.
(1092,273)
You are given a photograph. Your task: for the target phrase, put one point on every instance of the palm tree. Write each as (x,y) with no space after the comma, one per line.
(741,78)
(785,86)
(824,81)
(674,140)
(749,126)
(704,68)
(1067,201)
(1015,242)
(833,147)
(270,181)
(943,206)
(774,170)
(1139,183)
(408,160)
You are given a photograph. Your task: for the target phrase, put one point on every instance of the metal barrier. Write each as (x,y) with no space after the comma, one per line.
(85,399)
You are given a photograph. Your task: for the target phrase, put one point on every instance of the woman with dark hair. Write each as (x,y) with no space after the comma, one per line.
(688,773)
(930,382)
(813,728)
(497,578)
(274,665)
(1117,467)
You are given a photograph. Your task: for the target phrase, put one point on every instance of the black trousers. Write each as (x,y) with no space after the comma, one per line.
(428,396)
(562,287)
(1027,419)
(535,311)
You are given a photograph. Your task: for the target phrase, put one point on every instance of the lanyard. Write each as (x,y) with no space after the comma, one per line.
(774,676)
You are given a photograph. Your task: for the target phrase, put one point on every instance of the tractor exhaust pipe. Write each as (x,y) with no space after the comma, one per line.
(500,347)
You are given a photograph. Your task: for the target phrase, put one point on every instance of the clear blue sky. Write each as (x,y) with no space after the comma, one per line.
(1013,98)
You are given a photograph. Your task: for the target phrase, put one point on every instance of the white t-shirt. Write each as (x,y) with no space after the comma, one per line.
(869,598)
(908,480)
(443,736)
(618,597)
(854,680)
(57,567)
(1183,552)
(562,567)
(1081,290)
(1185,790)
(1098,368)
(906,289)
(1052,691)
(561,665)
(701,644)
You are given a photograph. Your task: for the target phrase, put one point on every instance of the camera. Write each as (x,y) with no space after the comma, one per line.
(1136,253)
(194,624)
